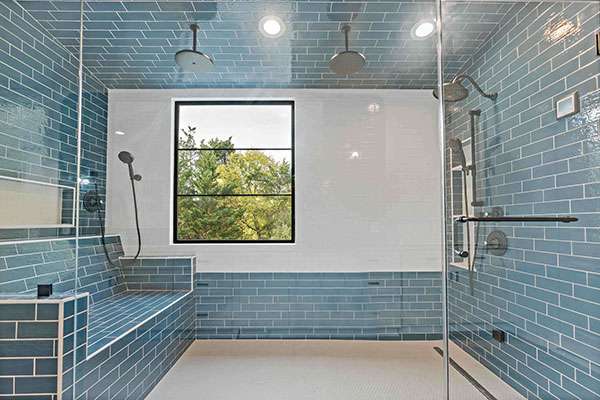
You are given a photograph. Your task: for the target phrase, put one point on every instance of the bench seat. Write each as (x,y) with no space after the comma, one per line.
(115,316)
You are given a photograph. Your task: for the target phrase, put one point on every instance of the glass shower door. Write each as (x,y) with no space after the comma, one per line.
(97,253)
(521,126)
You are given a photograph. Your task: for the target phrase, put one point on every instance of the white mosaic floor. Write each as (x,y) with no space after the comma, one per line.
(321,370)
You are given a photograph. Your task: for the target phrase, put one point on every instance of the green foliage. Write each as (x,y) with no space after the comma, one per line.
(209,172)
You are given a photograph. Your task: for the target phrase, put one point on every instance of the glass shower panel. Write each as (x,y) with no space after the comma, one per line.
(522,115)
(39,96)
(131,45)
(97,270)
(38,118)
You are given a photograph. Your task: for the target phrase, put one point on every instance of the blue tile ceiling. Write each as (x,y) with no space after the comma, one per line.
(131,44)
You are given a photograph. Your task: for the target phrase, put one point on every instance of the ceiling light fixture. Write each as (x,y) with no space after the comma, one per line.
(423,29)
(271,26)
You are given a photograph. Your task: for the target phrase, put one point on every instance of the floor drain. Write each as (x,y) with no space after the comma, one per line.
(467,376)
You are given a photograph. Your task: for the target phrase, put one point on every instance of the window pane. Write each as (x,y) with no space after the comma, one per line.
(243,126)
(234,172)
(234,218)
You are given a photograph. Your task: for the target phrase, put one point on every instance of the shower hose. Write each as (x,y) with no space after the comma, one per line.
(100,212)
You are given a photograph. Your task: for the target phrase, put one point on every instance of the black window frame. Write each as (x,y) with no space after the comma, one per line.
(176,150)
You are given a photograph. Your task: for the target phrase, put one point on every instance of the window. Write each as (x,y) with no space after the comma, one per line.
(234,172)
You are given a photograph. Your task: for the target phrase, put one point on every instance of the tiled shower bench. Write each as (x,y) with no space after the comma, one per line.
(114,317)
(124,342)
(152,284)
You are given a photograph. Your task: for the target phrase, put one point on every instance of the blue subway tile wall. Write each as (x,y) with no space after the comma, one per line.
(131,44)
(38,116)
(277,305)
(129,368)
(25,265)
(158,273)
(29,350)
(44,338)
(545,291)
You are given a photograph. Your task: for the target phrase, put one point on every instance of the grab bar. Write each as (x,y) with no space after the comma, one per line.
(566,219)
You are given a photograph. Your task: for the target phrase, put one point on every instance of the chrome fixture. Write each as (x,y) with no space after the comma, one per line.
(127,158)
(564,219)
(496,243)
(457,151)
(473,127)
(347,62)
(193,60)
(456,91)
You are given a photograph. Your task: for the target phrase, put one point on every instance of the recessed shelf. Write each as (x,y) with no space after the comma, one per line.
(462,264)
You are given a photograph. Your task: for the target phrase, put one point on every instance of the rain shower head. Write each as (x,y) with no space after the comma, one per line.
(193,60)
(453,91)
(347,62)
(456,91)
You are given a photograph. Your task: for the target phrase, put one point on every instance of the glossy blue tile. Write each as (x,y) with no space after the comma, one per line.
(552,289)
(13,312)
(39,330)
(308,300)
(27,348)
(32,385)
(8,330)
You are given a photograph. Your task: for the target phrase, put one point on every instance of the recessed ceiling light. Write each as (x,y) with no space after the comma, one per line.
(271,26)
(119,133)
(423,29)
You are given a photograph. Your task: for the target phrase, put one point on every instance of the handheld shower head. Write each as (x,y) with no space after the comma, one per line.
(125,157)
(458,154)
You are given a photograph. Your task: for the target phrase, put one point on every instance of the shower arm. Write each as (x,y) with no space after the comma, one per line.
(459,78)
(346,29)
(194,29)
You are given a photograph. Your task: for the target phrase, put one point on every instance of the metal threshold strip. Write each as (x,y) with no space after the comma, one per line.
(467,376)
(564,219)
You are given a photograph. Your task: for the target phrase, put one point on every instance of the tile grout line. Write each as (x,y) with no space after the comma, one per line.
(59,360)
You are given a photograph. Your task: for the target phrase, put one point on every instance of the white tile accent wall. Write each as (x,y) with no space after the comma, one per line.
(375,213)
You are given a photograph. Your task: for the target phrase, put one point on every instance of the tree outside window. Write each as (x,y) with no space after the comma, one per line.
(234,182)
